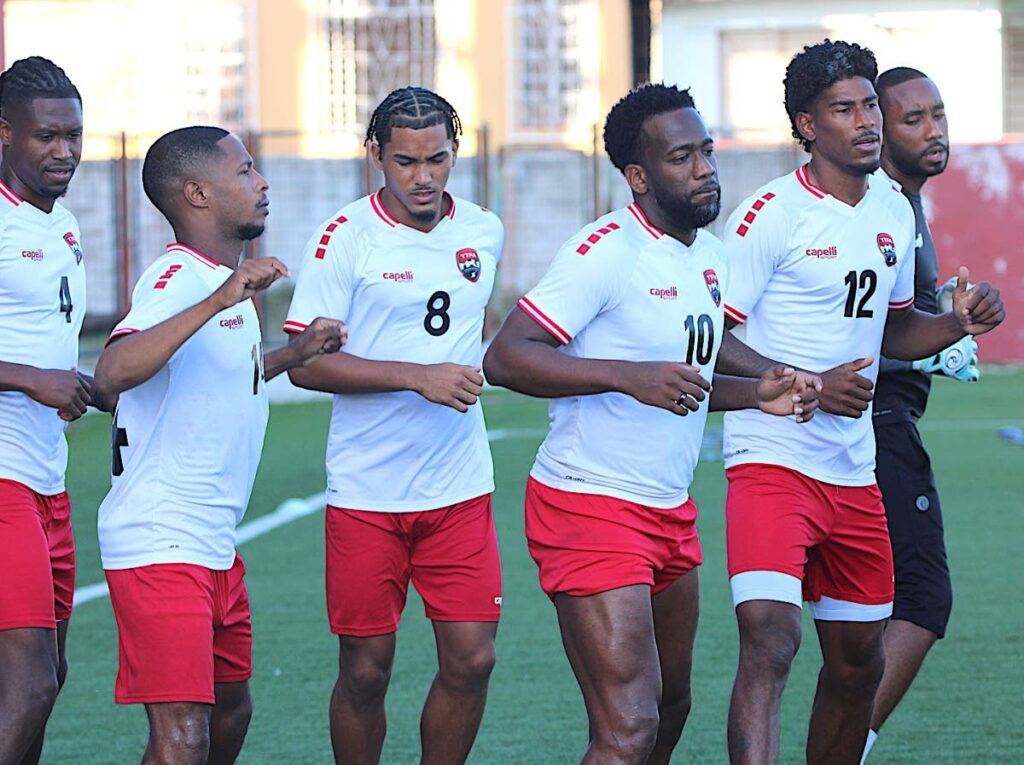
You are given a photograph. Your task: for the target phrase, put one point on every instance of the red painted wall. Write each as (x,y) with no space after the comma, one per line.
(976,213)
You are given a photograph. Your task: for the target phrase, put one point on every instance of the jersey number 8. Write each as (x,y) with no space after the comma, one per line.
(437,321)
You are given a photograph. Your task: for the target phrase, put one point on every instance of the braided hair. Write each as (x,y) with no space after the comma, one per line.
(411,107)
(34,77)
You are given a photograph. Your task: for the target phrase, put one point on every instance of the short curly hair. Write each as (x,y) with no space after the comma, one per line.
(624,126)
(819,67)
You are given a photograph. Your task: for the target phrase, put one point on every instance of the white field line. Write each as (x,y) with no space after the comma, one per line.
(290,510)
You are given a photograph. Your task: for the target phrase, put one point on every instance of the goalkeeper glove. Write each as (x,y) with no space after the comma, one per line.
(959,361)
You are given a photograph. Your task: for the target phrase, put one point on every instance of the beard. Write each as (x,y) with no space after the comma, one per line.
(249,231)
(685,214)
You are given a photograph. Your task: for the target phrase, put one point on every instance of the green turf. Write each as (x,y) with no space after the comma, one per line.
(965,706)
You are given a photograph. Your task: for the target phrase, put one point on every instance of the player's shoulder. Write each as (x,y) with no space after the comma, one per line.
(888,193)
(176,271)
(478,217)
(772,203)
(613,234)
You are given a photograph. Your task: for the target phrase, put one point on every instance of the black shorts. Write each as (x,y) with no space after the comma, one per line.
(924,594)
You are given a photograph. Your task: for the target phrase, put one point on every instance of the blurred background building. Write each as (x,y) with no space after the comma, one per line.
(532,81)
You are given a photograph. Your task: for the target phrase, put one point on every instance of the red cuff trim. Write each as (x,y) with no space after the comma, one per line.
(119,333)
(294,327)
(901,305)
(544,320)
(735,315)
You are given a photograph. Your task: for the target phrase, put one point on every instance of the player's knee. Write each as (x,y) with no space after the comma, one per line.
(631,738)
(35,705)
(185,741)
(365,679)
(471,671)
(768,650)
(859,668)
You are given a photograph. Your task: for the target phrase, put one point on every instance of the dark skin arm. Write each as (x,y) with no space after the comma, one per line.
(913,334)
(525,357)
(453,385)
(66,390)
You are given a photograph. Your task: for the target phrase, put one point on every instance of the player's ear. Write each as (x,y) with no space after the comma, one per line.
(805,125)
(196,194)
(636,178)
(455,150)
(376,155)
(5,132)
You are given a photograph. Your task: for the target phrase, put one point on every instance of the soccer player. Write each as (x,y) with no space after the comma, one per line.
(915,146)
(623,333)
(188,363)
(42,304)
(830,248)
(409,476)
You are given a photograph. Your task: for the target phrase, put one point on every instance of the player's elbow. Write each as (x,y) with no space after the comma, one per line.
(302,377)
(111,377)
(497,370)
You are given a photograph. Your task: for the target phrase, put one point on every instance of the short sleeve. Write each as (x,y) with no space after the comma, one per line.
(166,289)
(575,289)
(498,237)
(755,242)
(902,295)
(326,276)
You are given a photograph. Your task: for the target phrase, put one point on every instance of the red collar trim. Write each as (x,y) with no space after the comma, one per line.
(10,196)
(651,229)
(805,181)
(176,247)
(378,207)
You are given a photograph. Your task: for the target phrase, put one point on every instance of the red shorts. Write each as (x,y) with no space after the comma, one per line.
(832,538)
(181,628)
(37,550)
(584,544)
(451,555)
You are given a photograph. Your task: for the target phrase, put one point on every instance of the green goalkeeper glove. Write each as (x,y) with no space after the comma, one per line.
(959,361)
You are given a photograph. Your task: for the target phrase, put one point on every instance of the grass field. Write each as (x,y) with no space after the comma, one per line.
(966,706)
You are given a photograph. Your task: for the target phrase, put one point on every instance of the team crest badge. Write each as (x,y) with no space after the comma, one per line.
(888,248)
(711,278)
(469,263)
(73,244)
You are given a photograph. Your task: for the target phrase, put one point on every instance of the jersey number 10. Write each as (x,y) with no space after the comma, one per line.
(701,340)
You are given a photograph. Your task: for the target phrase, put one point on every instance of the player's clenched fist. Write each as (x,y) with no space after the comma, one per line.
(64,390)
(451,385)
(250,277)
(677,387)
(844,392)
(784,391)
(321,337)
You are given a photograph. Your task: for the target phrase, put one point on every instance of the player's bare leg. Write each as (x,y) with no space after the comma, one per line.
(609,640)
(229,722)
(455,704)
(358,719)
(35,751)
(676,610)
(854,660)
(28,689)
(906,645)
(769,639)
(179,734)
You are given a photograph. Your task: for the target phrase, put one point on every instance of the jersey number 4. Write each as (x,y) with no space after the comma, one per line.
(65,299)
(701,334)
(867,281)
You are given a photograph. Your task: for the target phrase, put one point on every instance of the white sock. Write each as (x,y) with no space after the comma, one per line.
(867,747)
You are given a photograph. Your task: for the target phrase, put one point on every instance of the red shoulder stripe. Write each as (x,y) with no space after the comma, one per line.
(326,238)
(755,208)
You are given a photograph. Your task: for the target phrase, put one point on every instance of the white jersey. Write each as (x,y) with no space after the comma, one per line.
(814,282)
(621,289)
(42,304)
(410,296)
(187,442)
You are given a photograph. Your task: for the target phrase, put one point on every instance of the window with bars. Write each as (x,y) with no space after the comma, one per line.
(555,62)
(373,47)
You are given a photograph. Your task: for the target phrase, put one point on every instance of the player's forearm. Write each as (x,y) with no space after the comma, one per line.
(912,334)
(729,393)
(538,369)
(278,361)
(737,358)
(132,359)
(345,373)
(17,377)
